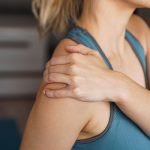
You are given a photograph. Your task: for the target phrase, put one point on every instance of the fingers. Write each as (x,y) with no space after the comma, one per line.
(58,61)
(63,60)
(73,81)
(72,57)
(64,69)
(46,72)
(57,78)
(47,75)
(57,93)
(69,58)
(78,49)
(56,69)
(46,79)
(82,50)
(75,93)
(57,86)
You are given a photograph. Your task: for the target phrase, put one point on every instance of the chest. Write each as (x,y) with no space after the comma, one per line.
(129,64)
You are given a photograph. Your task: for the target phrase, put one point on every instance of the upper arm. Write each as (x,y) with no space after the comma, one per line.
(59,51)
(148,54)
(141,31)
(144,37)
(146,42)
(138,27)
(55,123)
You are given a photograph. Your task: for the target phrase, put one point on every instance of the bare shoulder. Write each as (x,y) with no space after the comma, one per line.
(60,49)
(56,120)
(138,27)
(94,120)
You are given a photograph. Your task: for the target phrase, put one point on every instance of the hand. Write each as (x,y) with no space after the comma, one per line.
(85,73)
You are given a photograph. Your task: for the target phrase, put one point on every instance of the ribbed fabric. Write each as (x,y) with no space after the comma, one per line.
(121,132)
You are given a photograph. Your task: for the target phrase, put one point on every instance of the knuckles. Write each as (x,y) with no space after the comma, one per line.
(77,92)
(96,53)
(52,61)
(47,65)
(80,46)
(44,73)
(73,57)
(56,94)
(44,80)
(73,68)
(76,80)
(49,70)
(51,77)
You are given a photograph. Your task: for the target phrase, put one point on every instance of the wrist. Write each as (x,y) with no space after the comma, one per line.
(122,90)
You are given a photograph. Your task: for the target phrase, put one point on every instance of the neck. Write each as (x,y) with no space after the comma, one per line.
(107,21)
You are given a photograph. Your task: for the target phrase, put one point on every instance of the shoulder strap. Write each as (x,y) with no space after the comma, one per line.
(81,36)
(139,51)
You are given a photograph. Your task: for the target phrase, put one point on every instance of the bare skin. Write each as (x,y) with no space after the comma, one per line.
(49,121)
(129,65)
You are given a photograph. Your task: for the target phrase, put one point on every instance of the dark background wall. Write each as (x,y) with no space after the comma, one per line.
(144,13)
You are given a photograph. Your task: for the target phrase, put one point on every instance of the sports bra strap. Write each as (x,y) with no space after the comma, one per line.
(139,51)
(82,36)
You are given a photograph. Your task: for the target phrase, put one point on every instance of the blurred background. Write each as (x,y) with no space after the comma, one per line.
(22,60)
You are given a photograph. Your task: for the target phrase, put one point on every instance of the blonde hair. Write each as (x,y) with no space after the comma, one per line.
(56,15)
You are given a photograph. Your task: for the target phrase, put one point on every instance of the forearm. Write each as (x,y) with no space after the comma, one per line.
(134,101)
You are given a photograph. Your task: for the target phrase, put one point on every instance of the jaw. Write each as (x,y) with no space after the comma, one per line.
(138,3)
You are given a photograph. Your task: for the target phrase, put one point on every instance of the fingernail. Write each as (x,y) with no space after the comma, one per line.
(43,92)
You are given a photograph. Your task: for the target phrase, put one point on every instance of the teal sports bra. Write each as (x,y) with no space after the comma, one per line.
(121,132)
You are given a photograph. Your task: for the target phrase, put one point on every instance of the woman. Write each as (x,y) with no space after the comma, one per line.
(119,117)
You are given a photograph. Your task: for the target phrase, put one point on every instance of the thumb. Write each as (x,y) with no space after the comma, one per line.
(80,49)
